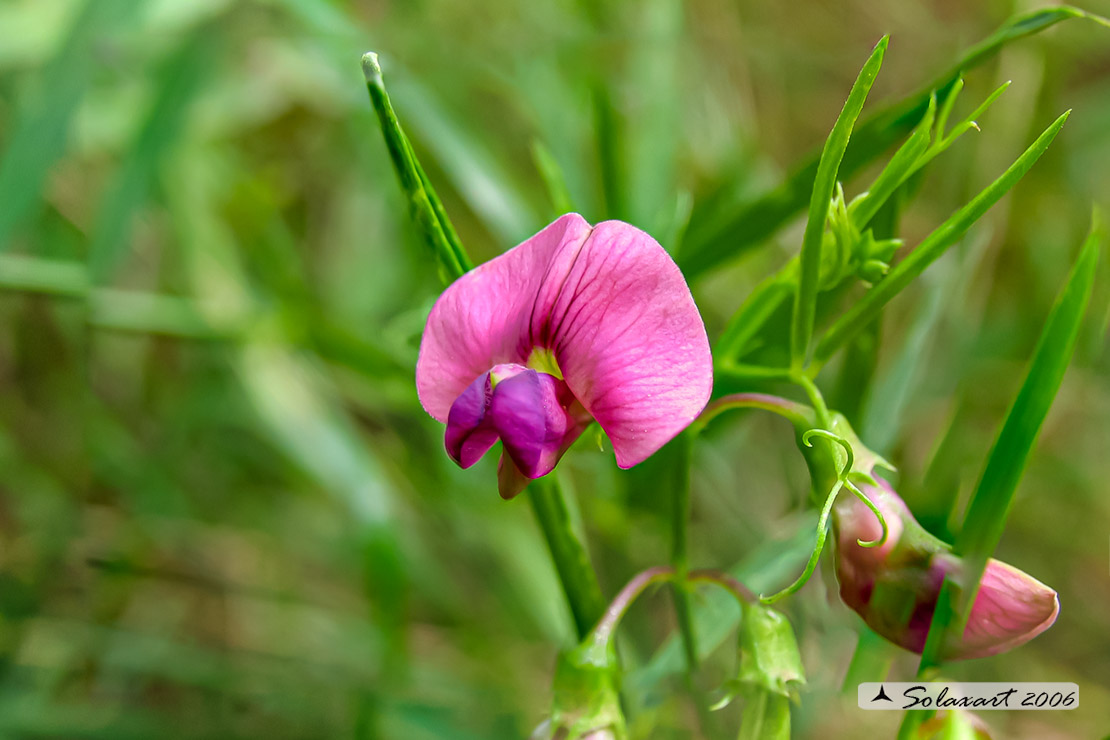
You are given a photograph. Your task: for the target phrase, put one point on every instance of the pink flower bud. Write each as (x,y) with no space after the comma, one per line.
(894,586)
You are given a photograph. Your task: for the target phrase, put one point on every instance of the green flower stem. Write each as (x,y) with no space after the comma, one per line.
(572,560)
(824,419)
(739,591)
(796,413)
(603,633)
(680,516)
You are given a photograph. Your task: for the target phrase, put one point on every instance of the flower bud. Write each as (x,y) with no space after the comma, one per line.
(894,586)
(586,704)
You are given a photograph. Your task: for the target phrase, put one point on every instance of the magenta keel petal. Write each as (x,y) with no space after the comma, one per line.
(470,431)
(532,425)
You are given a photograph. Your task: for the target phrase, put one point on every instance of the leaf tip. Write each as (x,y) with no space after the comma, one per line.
(371,68)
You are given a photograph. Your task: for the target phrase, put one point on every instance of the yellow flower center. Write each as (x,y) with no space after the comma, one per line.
(543,360)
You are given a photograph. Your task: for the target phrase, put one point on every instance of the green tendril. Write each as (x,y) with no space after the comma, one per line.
(825,434)
(874,510)
(822,535)
(826,510)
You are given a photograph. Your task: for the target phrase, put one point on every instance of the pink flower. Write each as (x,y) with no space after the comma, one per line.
(894,586)
(579,322)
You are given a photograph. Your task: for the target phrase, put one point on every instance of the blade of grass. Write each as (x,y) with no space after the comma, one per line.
(176,86)
(805,299)
(552,175)
(932,247)
(38,137)
(994,494)
(741,227)
(425,207)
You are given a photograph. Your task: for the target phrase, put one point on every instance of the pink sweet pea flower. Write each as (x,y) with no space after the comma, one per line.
(895,585)
(579,322)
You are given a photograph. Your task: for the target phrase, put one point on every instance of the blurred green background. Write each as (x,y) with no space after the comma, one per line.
(223,513)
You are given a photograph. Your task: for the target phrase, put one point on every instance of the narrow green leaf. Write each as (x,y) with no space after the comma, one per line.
(932,247)
(900,167)
(772,292)
(725,235)
(805,299)
(176,86)
(38,138)
(35,275)
(994,494)
(424,205)
(986,516)
(552,175)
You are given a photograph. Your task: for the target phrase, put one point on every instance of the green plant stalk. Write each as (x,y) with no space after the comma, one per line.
(424,205)
(805,299)
(572,561)
(680,516)
(932,247)
(993,497)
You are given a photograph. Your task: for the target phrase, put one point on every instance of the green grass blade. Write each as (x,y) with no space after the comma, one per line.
(771,293)
(932,247)
(176,85)
(52,277)
(994,494)
(424,205)
(987,511)
(552,175)
(805,299)
(730,234)
(39,135)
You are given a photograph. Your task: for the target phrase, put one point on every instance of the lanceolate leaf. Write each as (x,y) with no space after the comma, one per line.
(805,299)
(990,504)
(717,237)
(427,211)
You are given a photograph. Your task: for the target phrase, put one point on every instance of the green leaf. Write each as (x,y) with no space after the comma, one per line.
(552,175)
(932,247)
(986,516)
(425,207)
(176,86)
(994,494)
(805,299)
(38,137)
(718,238)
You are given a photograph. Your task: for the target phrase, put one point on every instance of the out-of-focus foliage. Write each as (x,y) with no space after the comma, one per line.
(223,512)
